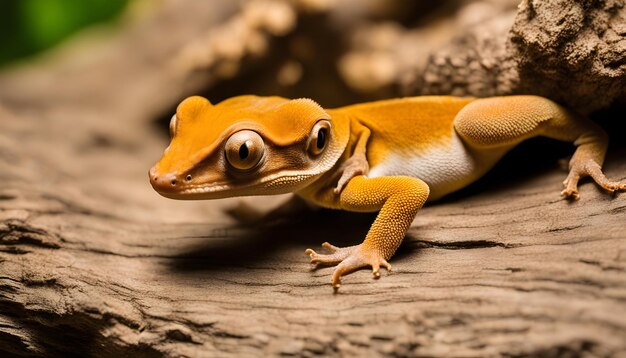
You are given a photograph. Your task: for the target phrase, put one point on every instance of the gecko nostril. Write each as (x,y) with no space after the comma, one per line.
(174,182)
(153,174)
(188,177)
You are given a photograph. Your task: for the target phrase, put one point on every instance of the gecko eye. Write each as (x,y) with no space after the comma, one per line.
(244,150)
(319,137)
(173,126)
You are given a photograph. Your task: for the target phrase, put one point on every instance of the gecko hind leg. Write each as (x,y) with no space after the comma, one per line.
(503,122)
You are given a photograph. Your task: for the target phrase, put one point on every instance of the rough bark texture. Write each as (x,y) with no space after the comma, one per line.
(566,50)
(93,262)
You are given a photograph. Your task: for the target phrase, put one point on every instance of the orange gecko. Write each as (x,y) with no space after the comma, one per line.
(387,156)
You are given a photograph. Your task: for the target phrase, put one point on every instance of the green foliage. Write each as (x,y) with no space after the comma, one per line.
(29,26)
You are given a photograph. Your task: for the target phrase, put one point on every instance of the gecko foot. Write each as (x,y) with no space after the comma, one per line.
(349,259)
(590,168)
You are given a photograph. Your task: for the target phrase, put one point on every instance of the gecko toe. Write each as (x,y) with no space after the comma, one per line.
(337,255)
(570,194)
(385,264)
(376,265)
(330,247)
(376,271)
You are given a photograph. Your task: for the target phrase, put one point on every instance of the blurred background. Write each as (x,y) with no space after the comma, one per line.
(334,51)
(122,52)
(28,27)
(102,67)
(340,52)
(132,61)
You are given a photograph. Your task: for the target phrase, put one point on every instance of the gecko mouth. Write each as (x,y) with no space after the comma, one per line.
(271,185)
(199,191)
(204,189)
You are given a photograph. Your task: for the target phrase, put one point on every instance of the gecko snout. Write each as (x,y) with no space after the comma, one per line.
(163,182)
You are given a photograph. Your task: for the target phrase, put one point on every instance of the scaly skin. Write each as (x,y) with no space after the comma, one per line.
(387,156)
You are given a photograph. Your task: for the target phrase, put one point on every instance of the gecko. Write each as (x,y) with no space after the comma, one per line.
(389,156)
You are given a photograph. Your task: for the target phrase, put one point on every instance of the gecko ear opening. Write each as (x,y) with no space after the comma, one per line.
(319,137)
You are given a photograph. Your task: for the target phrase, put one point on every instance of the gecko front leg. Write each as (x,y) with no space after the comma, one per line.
(398,198)
(357,163)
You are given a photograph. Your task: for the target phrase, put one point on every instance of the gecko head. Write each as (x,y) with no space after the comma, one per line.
(246,145)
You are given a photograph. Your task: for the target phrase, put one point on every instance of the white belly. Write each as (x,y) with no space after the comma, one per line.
(444,168)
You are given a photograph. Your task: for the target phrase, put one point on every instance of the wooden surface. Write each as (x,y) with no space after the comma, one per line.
(93,262)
